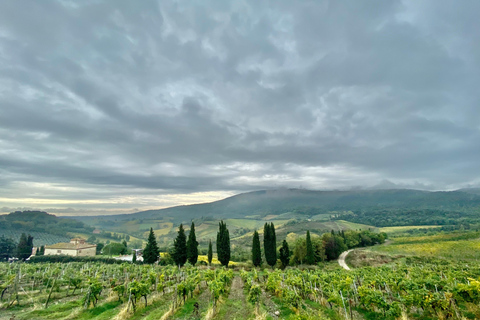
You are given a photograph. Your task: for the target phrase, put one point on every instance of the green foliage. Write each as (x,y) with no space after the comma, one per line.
(120,291)
(334,245)
(134,256)
(223,244)
(99,248)
(254,294)
(192,246)
(41,222)
(68,259)
(300,251)
(310,257)
(138,289)
(93,292)
(270,244)
(179,253)
(151,252)
(256,253)
(24,247)
(210,252)
(7,248)
(285,254)
(114,249)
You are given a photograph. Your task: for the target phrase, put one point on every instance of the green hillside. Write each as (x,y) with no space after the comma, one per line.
(45,228)
(305,203)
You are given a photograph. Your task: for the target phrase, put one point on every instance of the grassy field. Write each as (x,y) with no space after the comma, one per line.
(455,245)
(401,229)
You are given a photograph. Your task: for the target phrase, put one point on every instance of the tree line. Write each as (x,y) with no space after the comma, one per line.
(306,250)
(22,250)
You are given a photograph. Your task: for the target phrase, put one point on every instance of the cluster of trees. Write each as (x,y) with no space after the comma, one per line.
(310,250)
(329,246)
(114,248)
(269,247)
(22,250)
(187,249)
(409,217)
(39,221)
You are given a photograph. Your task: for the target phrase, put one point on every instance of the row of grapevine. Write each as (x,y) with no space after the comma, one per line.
(432,290)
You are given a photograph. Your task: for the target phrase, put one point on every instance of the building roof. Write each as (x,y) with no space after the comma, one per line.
(70,246)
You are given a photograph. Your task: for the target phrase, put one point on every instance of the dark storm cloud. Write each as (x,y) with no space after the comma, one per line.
(180,97)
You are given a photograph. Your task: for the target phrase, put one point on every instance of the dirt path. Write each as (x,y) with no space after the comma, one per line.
(341,259)
(236,307)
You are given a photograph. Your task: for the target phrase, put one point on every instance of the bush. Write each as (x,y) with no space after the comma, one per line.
(66,259)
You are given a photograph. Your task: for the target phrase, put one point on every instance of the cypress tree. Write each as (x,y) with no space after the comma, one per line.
(285,254)
(310,254)
(223,244)
(134,256)
(210,253)
(151,252)
(180,247)
(256,253)
(192,246)
(270,244)
(24,248)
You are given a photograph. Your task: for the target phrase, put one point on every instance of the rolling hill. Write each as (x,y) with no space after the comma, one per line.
(302,208)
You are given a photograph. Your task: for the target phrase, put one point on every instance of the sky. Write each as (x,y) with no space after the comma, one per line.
(113,107)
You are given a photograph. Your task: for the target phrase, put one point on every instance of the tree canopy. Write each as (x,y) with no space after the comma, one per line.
(270,244)
(180,247)
(256,252)
(151,252)
(223,244)
(192,246)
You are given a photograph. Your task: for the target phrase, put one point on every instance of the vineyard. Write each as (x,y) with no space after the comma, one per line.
(414,289)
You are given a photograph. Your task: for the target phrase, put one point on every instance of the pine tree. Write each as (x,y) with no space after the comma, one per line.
(270,244)
(210,253)
(223,244)
(192,246)
(285,254)
(151,251)
(310,254)
(256,253)
(180,247)
(134,256)
(24,248)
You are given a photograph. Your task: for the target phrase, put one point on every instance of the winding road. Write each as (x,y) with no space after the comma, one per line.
(341,259)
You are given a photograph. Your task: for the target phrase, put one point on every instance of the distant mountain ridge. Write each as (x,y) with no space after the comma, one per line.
(258,204)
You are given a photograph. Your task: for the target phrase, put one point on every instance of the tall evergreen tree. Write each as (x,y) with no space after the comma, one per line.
(7,248)
(285,254)
(270,244)
(310,254)
(256,253)
(192,246)
(151,252)
(24,248)
(134,256)
(210,253)
(223,244)
(180,247)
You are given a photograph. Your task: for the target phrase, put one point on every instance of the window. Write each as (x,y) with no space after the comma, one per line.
(79,251)
(59,251)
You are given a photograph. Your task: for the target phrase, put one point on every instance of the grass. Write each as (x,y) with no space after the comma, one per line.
(405,228)
(455,245)
(54,311)
(105,311)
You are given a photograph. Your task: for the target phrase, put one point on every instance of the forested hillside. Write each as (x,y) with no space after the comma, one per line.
(45,228)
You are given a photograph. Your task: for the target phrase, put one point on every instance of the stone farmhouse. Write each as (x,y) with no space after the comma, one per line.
(77,248)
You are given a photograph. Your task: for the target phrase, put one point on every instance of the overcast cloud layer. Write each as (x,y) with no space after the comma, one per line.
(118,106)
